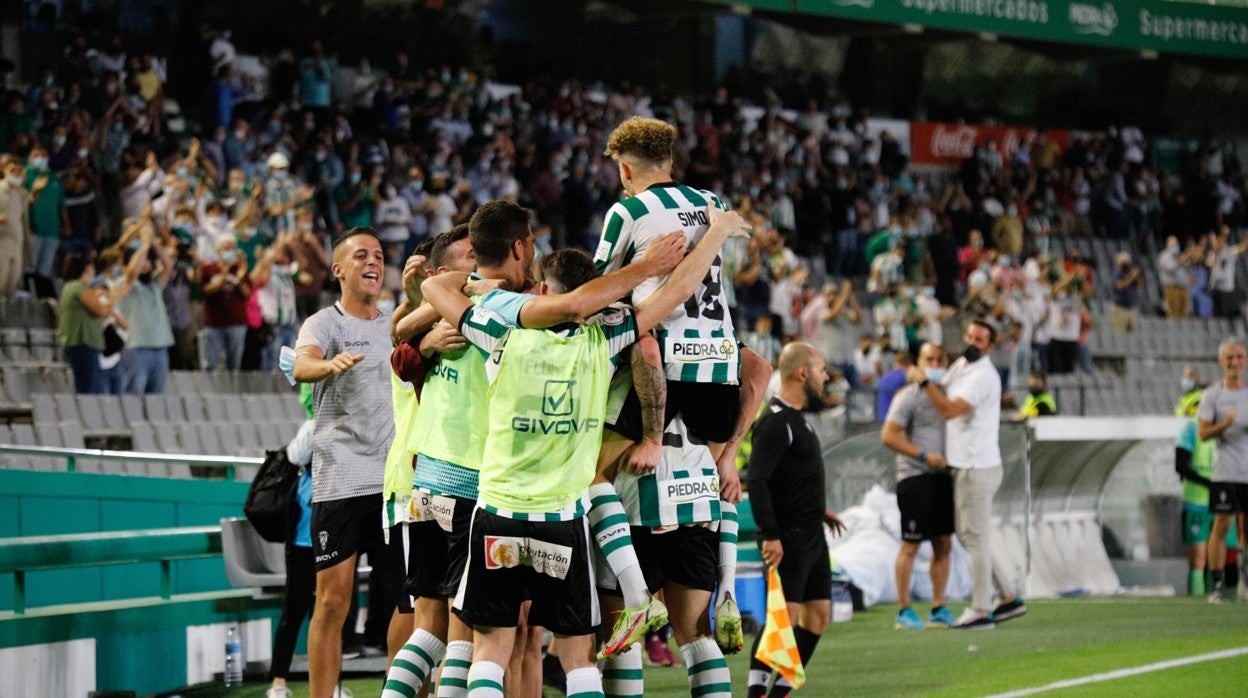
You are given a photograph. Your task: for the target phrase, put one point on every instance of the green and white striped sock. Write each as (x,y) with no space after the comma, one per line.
(454,680)
(707,669)
(609,524)
(412,665)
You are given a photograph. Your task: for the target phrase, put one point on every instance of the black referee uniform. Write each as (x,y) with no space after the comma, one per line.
(786,485)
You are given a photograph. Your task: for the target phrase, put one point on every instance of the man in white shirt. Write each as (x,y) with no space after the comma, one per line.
(971,402)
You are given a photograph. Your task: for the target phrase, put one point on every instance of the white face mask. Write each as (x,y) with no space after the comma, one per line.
(13,180)
(386,306)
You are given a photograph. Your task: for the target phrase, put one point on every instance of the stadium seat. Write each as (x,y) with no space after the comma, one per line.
(210,440)
(188,438)
(194,405)
(17,382)
(215,408)
(13,344)
(43,409)
(167,438)
(132,410)
(156,408)
(43,344)
(90,409)
(143,437)
(114,417)
(247,564)
(181,383)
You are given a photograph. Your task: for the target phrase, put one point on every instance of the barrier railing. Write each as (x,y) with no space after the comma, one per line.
(30,553)
(224,464)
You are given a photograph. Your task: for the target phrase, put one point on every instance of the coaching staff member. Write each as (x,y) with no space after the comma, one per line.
(787,494)
(971,404)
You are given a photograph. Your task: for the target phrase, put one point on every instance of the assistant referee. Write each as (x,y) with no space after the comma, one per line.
(787,494)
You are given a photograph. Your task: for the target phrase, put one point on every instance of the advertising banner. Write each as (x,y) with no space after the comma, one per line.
(1155,25)
(936,144)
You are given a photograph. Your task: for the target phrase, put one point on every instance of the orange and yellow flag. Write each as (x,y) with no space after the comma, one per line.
(778,647)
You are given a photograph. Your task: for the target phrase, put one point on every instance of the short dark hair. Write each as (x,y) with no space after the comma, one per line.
(443,242)
(75,263)
(992,330)
(494,228)
(425,248)
(570,268)
(353,232)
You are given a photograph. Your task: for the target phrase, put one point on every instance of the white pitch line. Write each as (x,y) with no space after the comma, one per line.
(1123,673)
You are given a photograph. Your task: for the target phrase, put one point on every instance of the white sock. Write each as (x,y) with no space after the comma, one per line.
(485,680)
(585,683)
(707,669)
(412,665)
(454,680)
(622,674)
(759,678)
(609,524)
(728,529)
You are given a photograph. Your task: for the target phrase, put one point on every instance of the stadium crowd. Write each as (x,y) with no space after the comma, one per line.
(292,149)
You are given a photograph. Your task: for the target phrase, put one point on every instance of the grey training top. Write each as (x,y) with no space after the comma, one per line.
(1230,463)
(353,413)
(924,426)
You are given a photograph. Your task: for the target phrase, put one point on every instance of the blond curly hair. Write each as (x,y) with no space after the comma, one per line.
(648,140)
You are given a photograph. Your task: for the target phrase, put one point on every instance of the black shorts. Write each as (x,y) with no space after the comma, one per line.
(440,555)
(345,527)
(1228,497)
(688,555)
(501,575)
(708,409)
(402,564)
(926,505)
(805,571)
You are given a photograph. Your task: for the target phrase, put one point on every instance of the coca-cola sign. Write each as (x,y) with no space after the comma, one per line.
(936,144)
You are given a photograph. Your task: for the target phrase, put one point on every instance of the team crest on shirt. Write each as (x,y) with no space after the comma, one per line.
(510,551)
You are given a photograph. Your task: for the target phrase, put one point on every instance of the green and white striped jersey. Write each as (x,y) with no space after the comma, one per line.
(697,338)
(683,490)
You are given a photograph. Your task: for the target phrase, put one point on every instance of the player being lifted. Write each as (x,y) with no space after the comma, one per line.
(712,382)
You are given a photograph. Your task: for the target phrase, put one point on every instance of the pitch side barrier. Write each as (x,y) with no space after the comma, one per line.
(1051,506)
(116,582)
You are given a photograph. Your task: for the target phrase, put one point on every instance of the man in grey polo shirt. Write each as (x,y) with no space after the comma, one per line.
(1223,415)
(915,429)
(971,402)
(344,351)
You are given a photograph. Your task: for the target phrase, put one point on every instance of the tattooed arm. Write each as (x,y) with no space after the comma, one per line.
(651,386)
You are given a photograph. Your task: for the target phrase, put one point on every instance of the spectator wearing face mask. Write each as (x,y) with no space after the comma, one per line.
(1172,270)
(356,199)
(1128,283)
(145,360)
(226,287)
(48,219)
(1007,232)
(14,224)
(281,195)
(323,172)
(392,218)
(274,283)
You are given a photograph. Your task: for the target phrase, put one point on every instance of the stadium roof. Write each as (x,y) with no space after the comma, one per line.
(1150,26)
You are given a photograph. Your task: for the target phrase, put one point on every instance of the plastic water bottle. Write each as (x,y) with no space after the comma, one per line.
(233,673)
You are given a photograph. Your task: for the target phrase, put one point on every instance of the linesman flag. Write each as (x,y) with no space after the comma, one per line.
(778,648)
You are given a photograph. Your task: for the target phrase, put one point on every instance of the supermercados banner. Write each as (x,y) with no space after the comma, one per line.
(1155,25)
(936,144)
